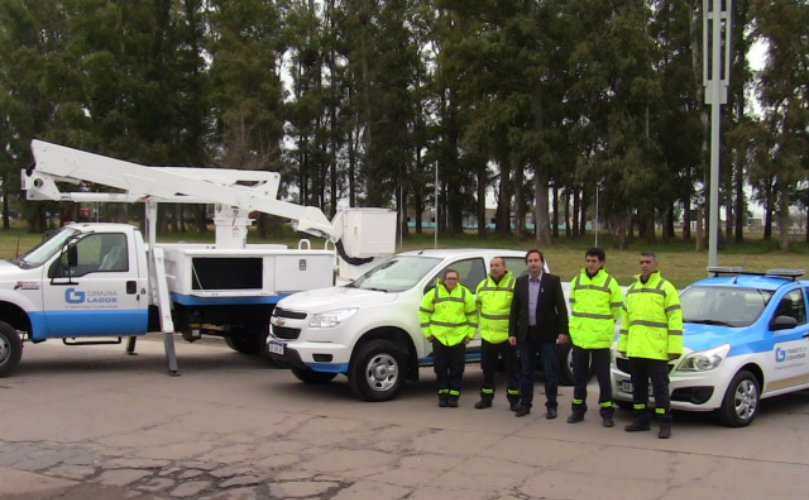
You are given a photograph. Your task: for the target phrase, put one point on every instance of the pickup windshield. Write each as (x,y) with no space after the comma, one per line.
(396,274)
(42,252)
(726,306)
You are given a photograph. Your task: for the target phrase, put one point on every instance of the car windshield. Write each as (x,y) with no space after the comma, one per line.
(42,252)
(727,306)
(396,274)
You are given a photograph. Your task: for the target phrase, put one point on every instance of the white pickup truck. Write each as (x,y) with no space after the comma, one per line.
(369,329)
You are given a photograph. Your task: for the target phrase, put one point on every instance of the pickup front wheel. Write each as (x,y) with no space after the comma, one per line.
(377,371)
(10,348)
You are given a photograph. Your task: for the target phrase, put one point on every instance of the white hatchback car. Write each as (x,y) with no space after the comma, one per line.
(746,338)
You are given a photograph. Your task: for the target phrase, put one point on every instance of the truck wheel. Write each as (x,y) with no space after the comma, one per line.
(377,371)
(312,377)
(740,404)
(244,342)
(10,348)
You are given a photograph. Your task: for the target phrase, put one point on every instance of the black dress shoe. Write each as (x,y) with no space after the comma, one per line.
(514,406)
(483,403)
(522,411)
(551,413)
(575,418)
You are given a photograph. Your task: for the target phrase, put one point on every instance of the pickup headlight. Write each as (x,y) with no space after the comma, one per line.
(331,318)
(704,360)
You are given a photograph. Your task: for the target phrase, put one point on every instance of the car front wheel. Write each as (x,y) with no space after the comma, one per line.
(740,404)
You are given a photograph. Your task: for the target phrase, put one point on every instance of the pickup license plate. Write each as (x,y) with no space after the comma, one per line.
(275,348)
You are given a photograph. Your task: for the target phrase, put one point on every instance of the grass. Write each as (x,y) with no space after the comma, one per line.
(679,262)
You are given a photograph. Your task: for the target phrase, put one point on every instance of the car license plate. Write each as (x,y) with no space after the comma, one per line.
(275,348)
(625,386)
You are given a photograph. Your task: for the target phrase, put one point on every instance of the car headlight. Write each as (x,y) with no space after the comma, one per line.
(704,360)
(331,318)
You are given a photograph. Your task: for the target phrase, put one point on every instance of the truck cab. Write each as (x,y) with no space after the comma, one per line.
(85,280)
(369,329)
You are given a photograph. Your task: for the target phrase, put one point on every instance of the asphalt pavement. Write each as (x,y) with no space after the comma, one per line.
(94,423)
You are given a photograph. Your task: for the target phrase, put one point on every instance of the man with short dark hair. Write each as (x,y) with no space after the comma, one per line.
(651,335)
(538,322)
(595,305)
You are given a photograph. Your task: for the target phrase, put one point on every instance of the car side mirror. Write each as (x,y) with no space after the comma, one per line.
(783,323)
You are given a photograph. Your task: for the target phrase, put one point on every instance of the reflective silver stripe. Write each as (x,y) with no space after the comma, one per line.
(675,332)
(425,310)
(616,304)
(646,290)
(473,325)
(592,287)
(425,325)
(673,308)
(450,299)
(591,315)
(451,325)
(641,322)
(495,316)
(495,289)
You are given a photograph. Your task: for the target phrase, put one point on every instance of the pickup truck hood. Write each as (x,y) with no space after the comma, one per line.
(329,299)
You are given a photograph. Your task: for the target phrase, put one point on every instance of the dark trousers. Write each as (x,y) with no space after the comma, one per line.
(528,365)
(657,370)
(581,374)
(488,363)
(449,366)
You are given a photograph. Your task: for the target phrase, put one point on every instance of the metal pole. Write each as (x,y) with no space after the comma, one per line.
(435,226)
(595,223)
(718,16)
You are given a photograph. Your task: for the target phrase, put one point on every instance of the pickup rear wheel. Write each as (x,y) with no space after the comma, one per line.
(377,371)
(312,377)
(740,404)
(10,348)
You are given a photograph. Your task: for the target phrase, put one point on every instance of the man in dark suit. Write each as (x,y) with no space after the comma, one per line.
(538,322)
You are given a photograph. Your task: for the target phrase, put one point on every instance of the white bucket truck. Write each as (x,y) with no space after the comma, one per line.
(100,282)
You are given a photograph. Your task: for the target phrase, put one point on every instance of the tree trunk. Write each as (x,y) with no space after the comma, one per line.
(543,233)
(555,202)
(519,203)
(783,220)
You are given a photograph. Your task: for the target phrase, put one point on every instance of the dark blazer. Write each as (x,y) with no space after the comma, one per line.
(551,308)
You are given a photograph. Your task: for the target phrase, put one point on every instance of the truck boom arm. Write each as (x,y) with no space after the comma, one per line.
(245,190)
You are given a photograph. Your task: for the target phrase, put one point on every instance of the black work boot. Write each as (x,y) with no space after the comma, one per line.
(606,417)
(641,422)
(577,413)
(452,401)
(443,400)
(665,428)
(483,403)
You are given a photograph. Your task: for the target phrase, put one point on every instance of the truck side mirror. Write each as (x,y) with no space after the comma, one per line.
(72,256)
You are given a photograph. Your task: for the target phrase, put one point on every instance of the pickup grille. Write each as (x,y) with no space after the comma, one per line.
(285,332)
(286,313)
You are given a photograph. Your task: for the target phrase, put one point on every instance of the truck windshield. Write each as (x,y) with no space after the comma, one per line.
(396,274)
(726,306)
(42,252)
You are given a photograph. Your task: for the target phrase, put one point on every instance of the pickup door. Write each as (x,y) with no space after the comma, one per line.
(94,292)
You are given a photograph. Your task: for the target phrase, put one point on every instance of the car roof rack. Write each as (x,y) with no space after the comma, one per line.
(785,272)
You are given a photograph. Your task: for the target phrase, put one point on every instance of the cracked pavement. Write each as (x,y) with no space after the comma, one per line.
(94,423)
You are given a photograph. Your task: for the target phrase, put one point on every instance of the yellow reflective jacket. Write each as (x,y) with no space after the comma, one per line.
(450,317)
(595,306)
(652,319)
(494,307)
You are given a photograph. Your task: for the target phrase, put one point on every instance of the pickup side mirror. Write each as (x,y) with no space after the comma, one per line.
(783,323)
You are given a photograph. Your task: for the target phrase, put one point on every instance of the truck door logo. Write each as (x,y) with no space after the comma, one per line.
(74,297)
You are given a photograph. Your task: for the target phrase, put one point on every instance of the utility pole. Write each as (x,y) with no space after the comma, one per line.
(716,34)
